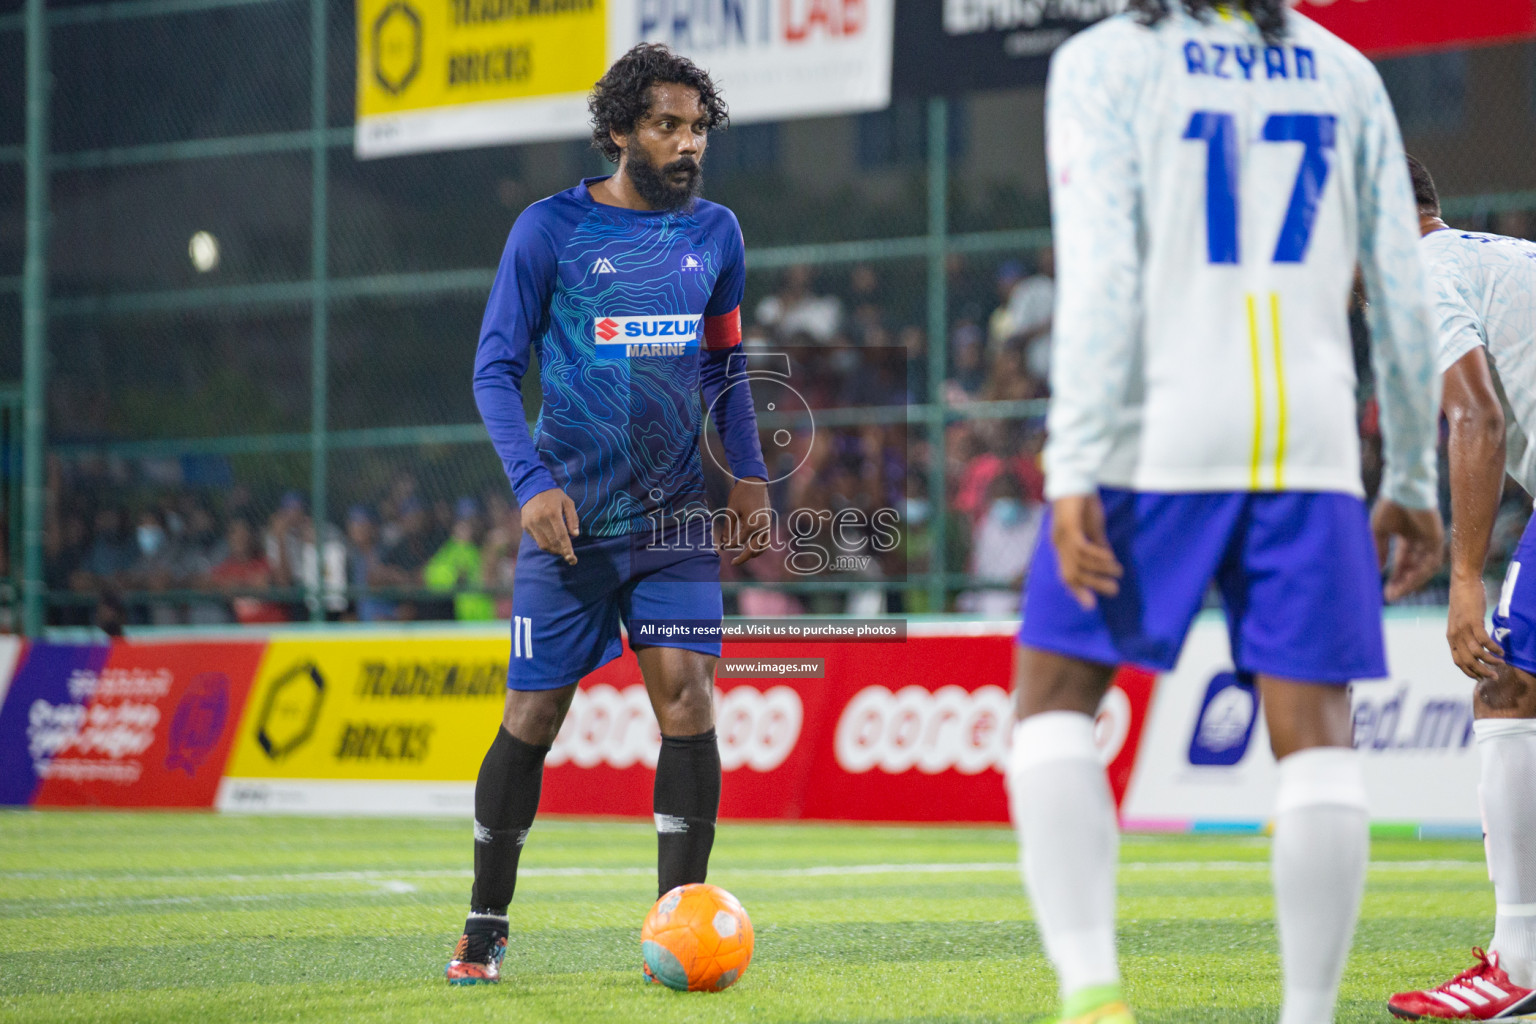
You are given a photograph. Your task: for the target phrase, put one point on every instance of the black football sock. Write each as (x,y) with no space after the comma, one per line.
(687,801)
(506,799)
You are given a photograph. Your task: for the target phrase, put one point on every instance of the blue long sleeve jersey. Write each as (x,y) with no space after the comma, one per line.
(633,315)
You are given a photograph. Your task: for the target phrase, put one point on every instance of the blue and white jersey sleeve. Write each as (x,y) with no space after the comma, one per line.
(515,316)
(1096,225)
(1402,343)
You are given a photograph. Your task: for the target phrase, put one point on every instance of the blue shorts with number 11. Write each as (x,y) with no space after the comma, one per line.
(565,618)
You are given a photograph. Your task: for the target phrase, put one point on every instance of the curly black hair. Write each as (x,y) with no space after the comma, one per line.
(623,96)
(1268,15)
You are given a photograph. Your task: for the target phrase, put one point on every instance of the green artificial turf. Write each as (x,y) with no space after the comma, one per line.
(199,918)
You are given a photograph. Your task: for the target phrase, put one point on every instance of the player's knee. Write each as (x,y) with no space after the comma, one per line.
(1043,682)
(688,710)
(1301,715)
(534,716)
(1512,694)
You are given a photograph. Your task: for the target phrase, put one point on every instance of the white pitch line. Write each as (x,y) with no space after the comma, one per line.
(819,871)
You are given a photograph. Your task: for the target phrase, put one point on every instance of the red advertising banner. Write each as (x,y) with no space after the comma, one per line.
(151,727)
(914,731)
(1385,28)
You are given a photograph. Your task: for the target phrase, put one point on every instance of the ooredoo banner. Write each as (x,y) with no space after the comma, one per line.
(450,74)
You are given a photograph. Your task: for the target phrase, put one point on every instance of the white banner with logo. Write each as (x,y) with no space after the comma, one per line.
(772,59)
(1205,758)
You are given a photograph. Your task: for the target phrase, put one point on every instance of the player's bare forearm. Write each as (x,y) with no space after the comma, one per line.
(1476,453)
(1477,482)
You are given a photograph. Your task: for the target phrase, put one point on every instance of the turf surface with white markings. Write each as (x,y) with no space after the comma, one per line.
(169,917)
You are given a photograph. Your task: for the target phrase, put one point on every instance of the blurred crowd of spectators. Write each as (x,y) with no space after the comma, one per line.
(201,559)
(221,555)
(217,555)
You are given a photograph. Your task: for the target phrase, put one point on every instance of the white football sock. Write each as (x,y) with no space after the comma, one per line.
(1506,748)
(1322,840)
(1069,844)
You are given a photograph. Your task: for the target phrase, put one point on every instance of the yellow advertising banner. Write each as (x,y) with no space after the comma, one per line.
(435,74)
(393,709)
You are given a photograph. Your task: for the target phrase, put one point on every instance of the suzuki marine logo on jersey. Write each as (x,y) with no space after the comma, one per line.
(604,266)
(626,337)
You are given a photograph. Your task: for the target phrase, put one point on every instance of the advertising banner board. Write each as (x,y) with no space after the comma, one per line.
(451,74)
(917,730)
(1386,28)
(1205,759)
(126,725)
(400,725)
(946,47)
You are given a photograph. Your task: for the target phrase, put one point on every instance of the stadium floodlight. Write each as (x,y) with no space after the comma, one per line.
(203,248)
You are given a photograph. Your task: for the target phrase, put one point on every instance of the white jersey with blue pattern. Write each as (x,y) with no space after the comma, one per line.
(1212,196)
(1482,291)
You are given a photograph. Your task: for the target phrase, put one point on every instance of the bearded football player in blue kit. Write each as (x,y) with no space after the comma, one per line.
(628,289)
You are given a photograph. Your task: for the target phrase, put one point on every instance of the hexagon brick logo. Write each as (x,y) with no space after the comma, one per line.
(291,710)
(396,47)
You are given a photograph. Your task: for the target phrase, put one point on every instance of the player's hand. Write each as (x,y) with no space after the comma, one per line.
(746,521)
(1419,550)
(1474,652)
(550,519)
(1088,565)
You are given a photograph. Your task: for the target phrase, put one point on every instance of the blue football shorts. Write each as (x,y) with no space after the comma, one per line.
(565,618)
(1296,572)
(1514,620)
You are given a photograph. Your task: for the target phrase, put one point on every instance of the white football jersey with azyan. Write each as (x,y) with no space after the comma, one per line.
(1212,196)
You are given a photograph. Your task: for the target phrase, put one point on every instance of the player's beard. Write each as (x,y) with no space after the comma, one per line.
(656,185)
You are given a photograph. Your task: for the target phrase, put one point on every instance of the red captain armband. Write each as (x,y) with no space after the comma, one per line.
(723,331)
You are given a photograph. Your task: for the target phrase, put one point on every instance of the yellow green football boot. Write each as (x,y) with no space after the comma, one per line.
(1100,1004)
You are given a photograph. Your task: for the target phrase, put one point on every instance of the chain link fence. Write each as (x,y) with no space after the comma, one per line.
(259,348)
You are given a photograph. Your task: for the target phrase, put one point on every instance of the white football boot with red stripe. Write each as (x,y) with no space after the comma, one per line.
(1482,992)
